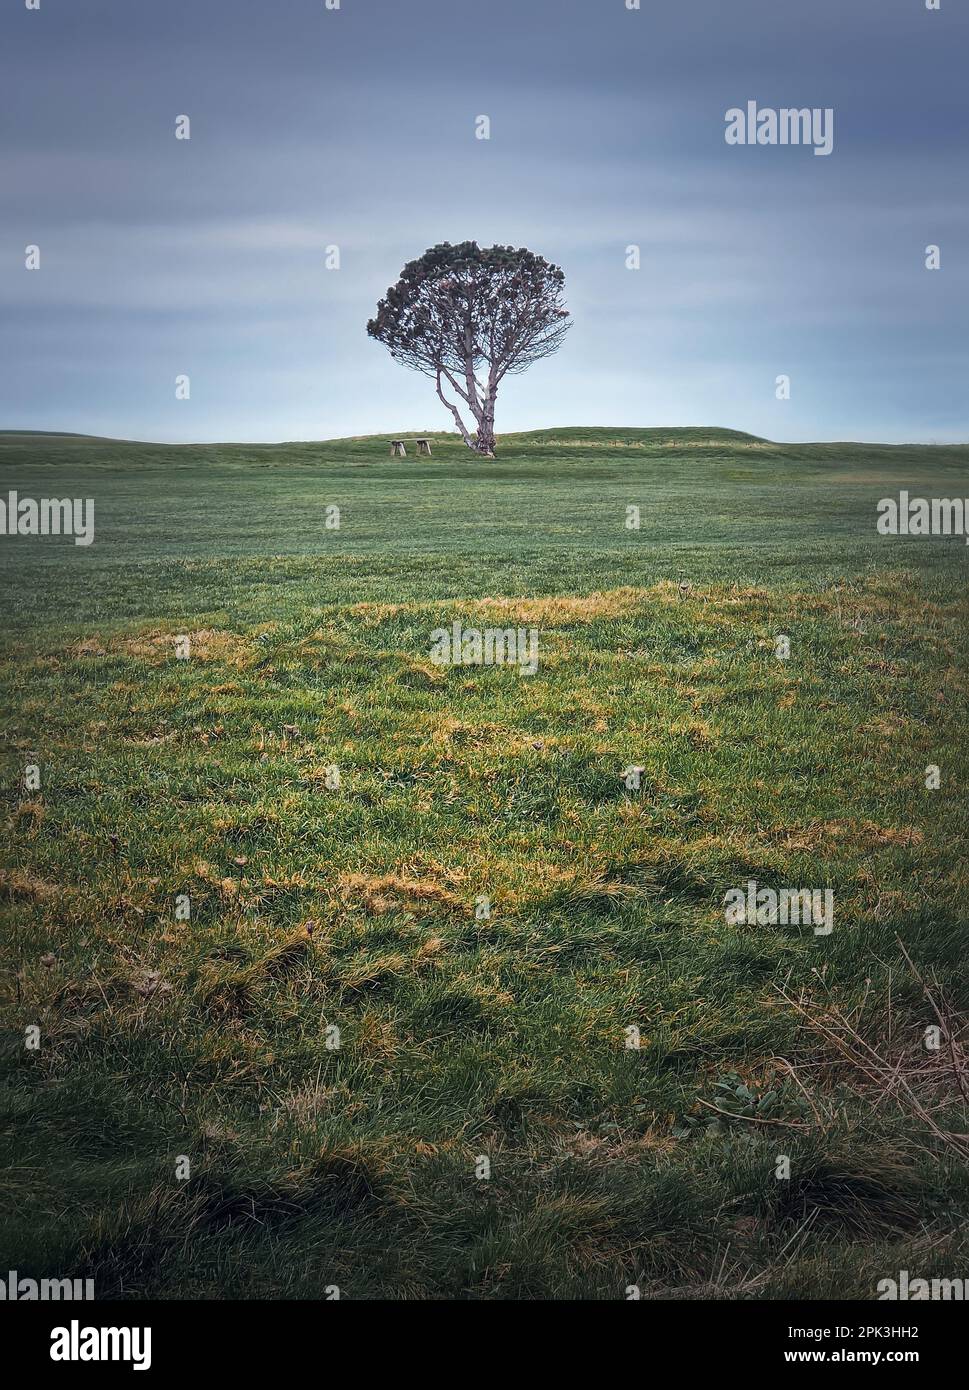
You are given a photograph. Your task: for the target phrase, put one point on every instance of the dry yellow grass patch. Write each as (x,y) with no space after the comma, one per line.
(90,646)
(422,866)
(519,745)
(287,882)
(429,673)
(206,644)
(372,614)
(698,731)
(892,835)
(16,884)
(382,892)
(363,973)
(866,835)
(738,598)
(28,815)
(375,1036)
(585,608)
(717,607)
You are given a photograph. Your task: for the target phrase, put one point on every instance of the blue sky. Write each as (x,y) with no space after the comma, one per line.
(356,127)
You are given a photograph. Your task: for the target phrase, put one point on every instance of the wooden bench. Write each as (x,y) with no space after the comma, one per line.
(399,450)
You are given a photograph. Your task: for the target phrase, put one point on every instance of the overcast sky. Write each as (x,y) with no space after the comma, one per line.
(355,127)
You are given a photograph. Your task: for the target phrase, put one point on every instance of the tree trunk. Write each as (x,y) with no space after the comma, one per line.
(482,408)
(485,442)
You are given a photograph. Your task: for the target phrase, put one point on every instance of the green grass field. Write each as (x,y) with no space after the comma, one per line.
(466,1037)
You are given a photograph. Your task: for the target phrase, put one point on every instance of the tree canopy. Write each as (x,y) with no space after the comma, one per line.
(467,317)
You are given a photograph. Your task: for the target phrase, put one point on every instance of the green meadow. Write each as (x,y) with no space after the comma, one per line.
(467,1021)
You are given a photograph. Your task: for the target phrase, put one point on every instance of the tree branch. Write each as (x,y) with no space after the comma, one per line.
(455,412)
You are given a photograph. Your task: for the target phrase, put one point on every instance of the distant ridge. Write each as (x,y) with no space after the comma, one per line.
(56,434)
(562,437)
(596,434)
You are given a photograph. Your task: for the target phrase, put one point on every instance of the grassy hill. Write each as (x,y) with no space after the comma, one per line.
(466,1035)
(223,529)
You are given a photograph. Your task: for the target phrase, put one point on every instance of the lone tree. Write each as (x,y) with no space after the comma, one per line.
(469,317)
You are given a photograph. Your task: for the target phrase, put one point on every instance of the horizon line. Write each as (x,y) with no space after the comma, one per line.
(452,434)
